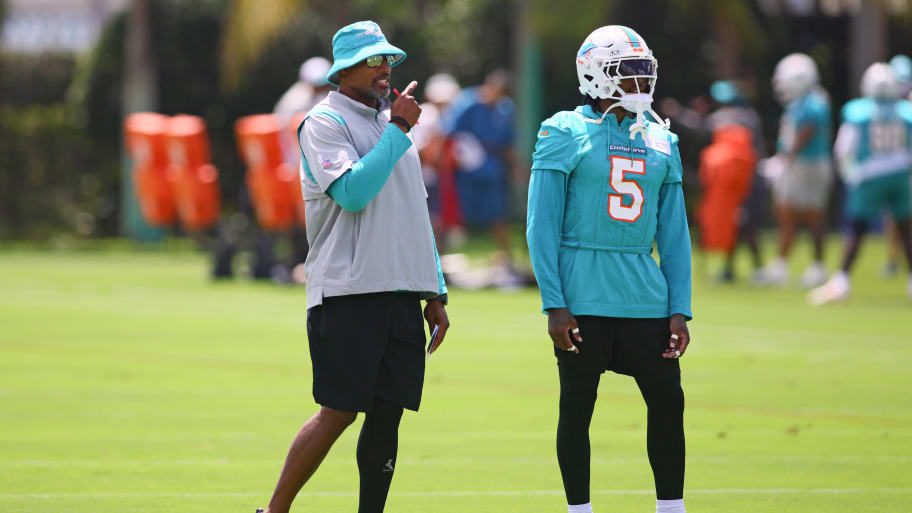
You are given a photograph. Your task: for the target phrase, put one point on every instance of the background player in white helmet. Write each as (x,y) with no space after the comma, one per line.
(874,153)
(606,185)
(801,172)
(308,91)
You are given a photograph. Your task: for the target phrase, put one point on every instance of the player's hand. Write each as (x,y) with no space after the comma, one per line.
(435,315)
(680,337)
(406,105)
(561,324)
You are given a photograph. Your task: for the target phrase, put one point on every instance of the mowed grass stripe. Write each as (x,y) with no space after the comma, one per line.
(461,493)
(130,373)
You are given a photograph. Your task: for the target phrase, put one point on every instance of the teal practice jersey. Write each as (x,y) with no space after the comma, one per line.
(879,136)
(812,109)
(597,202)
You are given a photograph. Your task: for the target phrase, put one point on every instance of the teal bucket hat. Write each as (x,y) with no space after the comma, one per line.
(356,42)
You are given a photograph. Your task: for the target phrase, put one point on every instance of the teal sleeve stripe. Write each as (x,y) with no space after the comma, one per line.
(441,284)
(303,158)
(673,244)
(360,184)
(327,113)
(307,168)
(547,195)
(315,112)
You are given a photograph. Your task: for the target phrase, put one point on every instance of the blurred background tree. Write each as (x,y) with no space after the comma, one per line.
(61,109)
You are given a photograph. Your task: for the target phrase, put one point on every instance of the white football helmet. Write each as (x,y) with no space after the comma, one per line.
(314,71)
(879,81)
(794,76)
(614,53)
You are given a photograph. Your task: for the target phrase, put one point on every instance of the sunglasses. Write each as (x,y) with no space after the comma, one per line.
(375,60)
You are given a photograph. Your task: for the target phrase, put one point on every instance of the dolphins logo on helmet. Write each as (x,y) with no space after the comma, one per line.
(611,54)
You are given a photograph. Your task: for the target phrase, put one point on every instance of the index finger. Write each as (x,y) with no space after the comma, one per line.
(409,88)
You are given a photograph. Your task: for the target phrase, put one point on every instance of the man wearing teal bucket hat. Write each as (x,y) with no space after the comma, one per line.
(372,259)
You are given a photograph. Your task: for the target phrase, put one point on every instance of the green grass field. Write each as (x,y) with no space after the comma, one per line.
(130,383)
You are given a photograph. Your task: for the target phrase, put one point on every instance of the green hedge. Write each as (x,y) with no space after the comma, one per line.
(53,177)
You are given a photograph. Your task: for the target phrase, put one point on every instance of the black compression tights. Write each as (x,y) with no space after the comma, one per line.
(376,454)
(664,434)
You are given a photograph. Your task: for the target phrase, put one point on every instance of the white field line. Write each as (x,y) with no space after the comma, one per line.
(455,493)
(449,461)
(792,415)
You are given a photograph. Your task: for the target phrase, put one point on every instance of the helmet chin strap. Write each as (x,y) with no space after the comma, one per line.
(639,125)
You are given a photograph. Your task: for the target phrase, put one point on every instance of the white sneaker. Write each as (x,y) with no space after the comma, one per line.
(836,289)
(775,273)
(814,275)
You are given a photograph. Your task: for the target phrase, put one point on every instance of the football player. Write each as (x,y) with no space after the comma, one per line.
(902,67)
(873,152)
(803,173)
(606,185)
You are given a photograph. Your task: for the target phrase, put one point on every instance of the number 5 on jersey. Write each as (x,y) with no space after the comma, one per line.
(616,208)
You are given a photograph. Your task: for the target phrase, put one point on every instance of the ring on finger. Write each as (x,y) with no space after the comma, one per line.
(574,330)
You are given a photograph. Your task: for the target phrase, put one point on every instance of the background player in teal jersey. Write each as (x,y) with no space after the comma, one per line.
(874,153)
(902,68)
(802,184)
(606,184)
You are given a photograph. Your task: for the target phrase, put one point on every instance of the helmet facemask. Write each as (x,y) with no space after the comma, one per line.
(605,83)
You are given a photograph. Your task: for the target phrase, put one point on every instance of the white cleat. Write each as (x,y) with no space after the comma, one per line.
(775,273)
(836,289)
(814,276)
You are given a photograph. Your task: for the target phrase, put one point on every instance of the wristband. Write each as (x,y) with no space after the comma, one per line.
(402,120)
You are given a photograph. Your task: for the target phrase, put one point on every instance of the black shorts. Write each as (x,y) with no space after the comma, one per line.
(626,346)
(364,346)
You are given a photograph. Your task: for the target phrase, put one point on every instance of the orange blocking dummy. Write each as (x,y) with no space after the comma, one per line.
(726,173)
(190,169)
(145,141)
(272,183)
